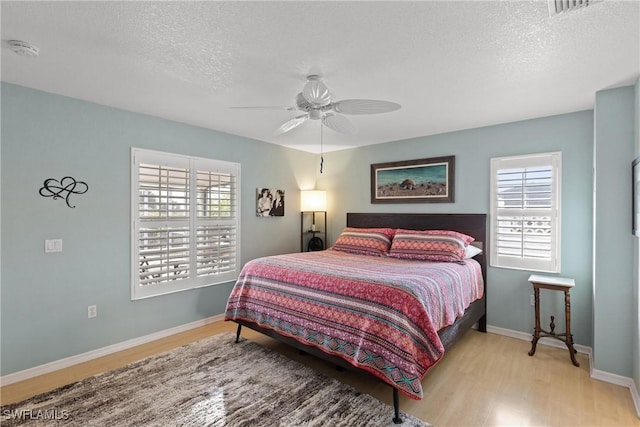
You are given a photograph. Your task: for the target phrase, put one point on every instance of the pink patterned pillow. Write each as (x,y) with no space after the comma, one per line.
(430,245)
(366,241)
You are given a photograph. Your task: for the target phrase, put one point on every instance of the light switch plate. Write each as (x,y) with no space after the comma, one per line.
(53,245)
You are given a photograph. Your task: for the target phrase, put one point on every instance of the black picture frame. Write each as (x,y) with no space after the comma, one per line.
(428,180)
(269,202)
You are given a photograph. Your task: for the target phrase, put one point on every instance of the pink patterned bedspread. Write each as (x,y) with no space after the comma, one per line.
(380,314)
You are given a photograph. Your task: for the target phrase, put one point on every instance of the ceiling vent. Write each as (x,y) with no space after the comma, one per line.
(557,7)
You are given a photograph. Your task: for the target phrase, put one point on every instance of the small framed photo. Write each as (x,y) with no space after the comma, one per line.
(270,202)
(414,181)
(635,197)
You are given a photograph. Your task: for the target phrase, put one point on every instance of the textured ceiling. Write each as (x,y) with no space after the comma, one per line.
(451,64)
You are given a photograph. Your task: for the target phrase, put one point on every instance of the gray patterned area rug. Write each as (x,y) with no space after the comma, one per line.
(211,382)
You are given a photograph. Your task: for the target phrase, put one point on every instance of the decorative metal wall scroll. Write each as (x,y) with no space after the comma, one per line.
(63,188)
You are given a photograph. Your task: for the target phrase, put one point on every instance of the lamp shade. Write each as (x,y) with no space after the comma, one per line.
(313,200)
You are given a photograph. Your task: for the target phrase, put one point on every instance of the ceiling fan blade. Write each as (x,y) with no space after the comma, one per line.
(339,123)
(291,124)
(288,108)
(364,106)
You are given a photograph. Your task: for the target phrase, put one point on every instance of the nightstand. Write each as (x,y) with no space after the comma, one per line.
(555,284)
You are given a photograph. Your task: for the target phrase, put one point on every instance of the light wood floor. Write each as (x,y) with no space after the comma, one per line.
(485,380)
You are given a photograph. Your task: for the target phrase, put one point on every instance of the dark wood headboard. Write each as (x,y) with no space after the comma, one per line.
(474,225)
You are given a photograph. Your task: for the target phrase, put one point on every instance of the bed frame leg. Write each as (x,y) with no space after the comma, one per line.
(482,324)
(396,407)
(238,333)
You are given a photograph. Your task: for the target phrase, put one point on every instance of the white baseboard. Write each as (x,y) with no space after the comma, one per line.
(622,381)
(94,354)
(635,396)
(594,373)
(612,378)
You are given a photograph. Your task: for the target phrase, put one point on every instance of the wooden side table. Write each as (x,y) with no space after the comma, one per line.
(555,284)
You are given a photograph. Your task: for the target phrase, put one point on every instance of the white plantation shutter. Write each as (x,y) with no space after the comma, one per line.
(185,214)
(525,207)
(216,252)
(163,217)
(216,230)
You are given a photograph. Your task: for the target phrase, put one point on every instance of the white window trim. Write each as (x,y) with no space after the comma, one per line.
(193,163)
(523,263)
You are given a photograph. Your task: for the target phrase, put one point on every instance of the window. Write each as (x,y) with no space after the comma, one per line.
(186,224)
(525,212)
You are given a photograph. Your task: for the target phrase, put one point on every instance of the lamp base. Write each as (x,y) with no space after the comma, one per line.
(315,244)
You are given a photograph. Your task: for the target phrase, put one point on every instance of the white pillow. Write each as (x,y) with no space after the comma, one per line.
(471,251)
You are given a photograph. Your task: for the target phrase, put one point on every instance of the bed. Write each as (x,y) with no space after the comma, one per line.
(378,314)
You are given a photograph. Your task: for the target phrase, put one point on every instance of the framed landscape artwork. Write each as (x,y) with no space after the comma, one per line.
(414,181)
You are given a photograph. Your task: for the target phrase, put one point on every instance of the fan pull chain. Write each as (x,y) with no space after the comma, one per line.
(321,146)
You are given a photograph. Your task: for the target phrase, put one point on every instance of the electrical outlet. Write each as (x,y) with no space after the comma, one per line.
(92,311)
(532,300)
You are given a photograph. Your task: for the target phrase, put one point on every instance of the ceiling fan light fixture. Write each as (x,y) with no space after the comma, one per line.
(316,92)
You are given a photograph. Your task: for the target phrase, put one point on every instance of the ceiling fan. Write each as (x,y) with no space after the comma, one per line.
(317,103)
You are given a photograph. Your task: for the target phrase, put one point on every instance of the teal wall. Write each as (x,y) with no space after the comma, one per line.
(44,297)
(347,180)
(613,257)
